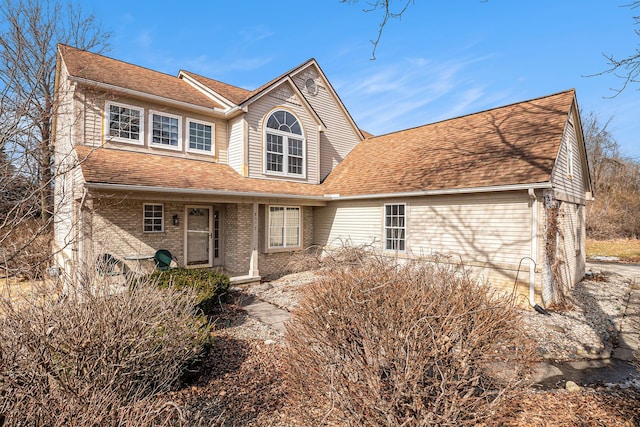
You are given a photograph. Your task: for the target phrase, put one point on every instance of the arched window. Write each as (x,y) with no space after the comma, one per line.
(285,145)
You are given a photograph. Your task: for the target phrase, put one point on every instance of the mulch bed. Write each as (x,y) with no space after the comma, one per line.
(241,383)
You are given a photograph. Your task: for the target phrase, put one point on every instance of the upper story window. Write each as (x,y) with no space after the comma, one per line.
(126,123)
(284,145)
(165,131)
(200,136)
(569,142)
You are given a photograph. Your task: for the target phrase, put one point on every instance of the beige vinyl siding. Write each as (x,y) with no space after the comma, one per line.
(236,144)
(340,137)
(91,129)
(489,228)
(490,233)
(65,181)
(349,222)
(567,184)
(571,242)
(281,97)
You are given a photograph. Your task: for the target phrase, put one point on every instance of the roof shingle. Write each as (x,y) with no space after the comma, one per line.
(119,167)
(232,93)
(98,68)
(515,144)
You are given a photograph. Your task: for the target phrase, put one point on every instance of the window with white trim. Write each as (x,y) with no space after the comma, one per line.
(166,130)
(569,142)
(153,218)
(284,227)
(284,145)
(125,123)
(200,136)
(395,227)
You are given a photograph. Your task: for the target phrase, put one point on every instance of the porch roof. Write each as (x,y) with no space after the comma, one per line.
(121,169)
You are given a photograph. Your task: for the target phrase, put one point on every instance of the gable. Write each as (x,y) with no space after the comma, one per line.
(341,134)
(570,176)
(284,96)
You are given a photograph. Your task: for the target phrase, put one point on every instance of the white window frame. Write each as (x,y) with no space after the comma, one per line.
(386,227)
(107,125)
(285,147)
(165,146)
(188,136)
(284,246)
(570,160)
(144,218)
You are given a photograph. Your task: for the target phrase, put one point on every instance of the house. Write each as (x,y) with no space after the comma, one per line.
(226,177)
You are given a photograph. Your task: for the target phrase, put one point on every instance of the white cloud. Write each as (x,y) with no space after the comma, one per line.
(252,35)
(415,92)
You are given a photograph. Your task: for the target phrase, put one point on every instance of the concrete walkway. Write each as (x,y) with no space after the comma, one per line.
(629,333)
(617,369)
(265,312)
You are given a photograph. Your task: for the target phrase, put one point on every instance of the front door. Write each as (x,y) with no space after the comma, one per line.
(198,241)
(203,239)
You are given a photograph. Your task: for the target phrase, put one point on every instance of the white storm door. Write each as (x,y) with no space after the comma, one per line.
(199,236)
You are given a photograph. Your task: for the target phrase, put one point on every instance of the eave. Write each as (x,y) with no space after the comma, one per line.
(155,98)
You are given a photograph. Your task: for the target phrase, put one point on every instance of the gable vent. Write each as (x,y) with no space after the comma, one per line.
(311,86)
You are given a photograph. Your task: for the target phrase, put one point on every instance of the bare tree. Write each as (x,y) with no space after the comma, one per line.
(31,30)
(614,213)
(627,69)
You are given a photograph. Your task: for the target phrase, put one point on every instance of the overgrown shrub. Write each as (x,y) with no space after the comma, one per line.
(323,257)
(419,344)
(94,358)
(210,286)
(25,248)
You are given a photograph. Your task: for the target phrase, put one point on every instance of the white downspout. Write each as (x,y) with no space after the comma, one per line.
(253,262)
(534,246)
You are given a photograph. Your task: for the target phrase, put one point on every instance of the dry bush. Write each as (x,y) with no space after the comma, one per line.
(323,257)
(417,344)
(93,357)
(25,248)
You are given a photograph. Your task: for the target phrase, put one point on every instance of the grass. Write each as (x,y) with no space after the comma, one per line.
(17,288)
(628,250)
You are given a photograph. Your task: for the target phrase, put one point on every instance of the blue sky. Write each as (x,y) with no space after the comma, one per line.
(443,59)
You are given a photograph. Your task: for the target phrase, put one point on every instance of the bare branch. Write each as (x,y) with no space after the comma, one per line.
(386,7)
(627,69)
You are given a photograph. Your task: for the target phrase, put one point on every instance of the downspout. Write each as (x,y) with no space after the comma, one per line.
(534,246)
(79,236)
(534,252)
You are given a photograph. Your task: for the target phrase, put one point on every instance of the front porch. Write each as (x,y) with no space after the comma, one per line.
(199,233)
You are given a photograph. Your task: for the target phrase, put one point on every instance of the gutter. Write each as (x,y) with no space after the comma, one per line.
(324,198)
(495,188)
(161,99)
(172,190)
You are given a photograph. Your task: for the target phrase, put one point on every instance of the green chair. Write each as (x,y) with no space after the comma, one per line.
(163,258)
(108,265)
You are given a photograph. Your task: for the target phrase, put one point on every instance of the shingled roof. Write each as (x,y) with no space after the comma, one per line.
(100,69)
(515,144)
(128,168)
(232,93)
